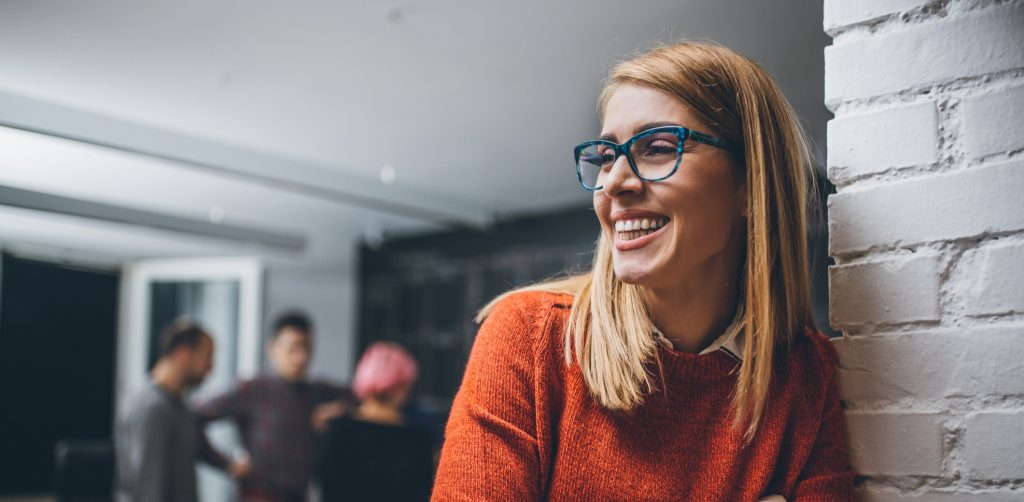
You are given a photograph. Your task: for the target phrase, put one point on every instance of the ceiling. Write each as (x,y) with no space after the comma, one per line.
(471,103)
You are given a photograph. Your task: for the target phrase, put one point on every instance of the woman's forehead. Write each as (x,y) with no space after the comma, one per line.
(632,107)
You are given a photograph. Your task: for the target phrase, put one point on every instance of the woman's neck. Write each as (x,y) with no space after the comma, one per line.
(692,321)
(694,311)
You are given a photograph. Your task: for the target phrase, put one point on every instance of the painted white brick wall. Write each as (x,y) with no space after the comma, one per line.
(892,291)
(841,13)
(896,443)
(997,285)
(866,144)
(992,122)
(918,54)
(890,495)
(932,365)
(963,204)
(927,232)
(993,443)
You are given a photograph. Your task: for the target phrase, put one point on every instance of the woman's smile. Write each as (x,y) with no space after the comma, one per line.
(637,233)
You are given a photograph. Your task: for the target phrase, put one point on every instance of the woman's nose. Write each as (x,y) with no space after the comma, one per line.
(621,180)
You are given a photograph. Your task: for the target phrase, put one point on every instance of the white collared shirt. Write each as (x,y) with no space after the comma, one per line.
(730,341)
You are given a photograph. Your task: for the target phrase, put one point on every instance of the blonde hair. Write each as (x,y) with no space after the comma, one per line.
(609,329)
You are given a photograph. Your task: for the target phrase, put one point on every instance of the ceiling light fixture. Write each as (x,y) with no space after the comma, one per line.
(387,174)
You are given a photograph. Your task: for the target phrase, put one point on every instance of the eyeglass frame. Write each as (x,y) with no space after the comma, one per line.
(683,133)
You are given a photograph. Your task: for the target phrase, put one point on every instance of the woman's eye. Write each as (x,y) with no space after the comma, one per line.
(602,159)
(660,148)
(604,156)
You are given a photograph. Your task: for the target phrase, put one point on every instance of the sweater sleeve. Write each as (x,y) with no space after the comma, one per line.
(491,450)
(827,476)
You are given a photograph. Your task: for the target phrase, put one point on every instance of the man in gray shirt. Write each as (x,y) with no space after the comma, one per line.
(157,440)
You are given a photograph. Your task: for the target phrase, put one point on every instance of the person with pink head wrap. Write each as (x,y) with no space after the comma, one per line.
(384,373)
(374,452)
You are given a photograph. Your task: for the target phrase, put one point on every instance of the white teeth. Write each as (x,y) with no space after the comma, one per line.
(638,225)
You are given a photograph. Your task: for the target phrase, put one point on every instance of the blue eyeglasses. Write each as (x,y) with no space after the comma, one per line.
(653,155)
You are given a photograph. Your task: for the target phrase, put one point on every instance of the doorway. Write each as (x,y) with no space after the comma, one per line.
(224,295)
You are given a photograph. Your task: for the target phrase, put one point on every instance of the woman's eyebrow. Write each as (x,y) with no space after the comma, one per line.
(652,125)
(637,130)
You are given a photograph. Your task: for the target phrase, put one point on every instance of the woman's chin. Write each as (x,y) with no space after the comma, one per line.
(633,273)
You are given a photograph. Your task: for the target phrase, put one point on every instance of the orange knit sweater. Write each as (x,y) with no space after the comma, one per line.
(523,426)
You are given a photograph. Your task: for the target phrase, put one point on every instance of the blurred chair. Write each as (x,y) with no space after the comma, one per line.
(84,471)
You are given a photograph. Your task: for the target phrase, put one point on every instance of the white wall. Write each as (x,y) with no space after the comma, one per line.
(328,294)
(927,230)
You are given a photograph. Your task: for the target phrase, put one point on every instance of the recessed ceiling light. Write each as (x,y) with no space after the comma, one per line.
(216,214)
(387,174)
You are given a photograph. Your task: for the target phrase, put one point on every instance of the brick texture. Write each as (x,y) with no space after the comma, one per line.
(916,55)
(927,232)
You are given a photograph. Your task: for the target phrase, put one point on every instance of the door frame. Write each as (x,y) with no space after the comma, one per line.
(133,316)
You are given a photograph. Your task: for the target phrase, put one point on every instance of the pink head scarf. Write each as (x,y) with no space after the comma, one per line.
(384,368)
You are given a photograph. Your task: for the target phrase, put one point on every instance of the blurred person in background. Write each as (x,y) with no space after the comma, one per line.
(375,452)
(157,440)
(278,415)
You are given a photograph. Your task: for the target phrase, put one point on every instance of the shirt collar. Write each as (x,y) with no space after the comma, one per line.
(730,341)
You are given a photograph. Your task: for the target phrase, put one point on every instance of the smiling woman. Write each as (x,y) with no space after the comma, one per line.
(686,364)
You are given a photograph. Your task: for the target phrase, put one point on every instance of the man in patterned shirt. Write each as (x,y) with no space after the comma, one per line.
(275,415)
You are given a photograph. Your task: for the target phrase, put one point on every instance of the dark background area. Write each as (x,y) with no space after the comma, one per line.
(423,292)
(58,328)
